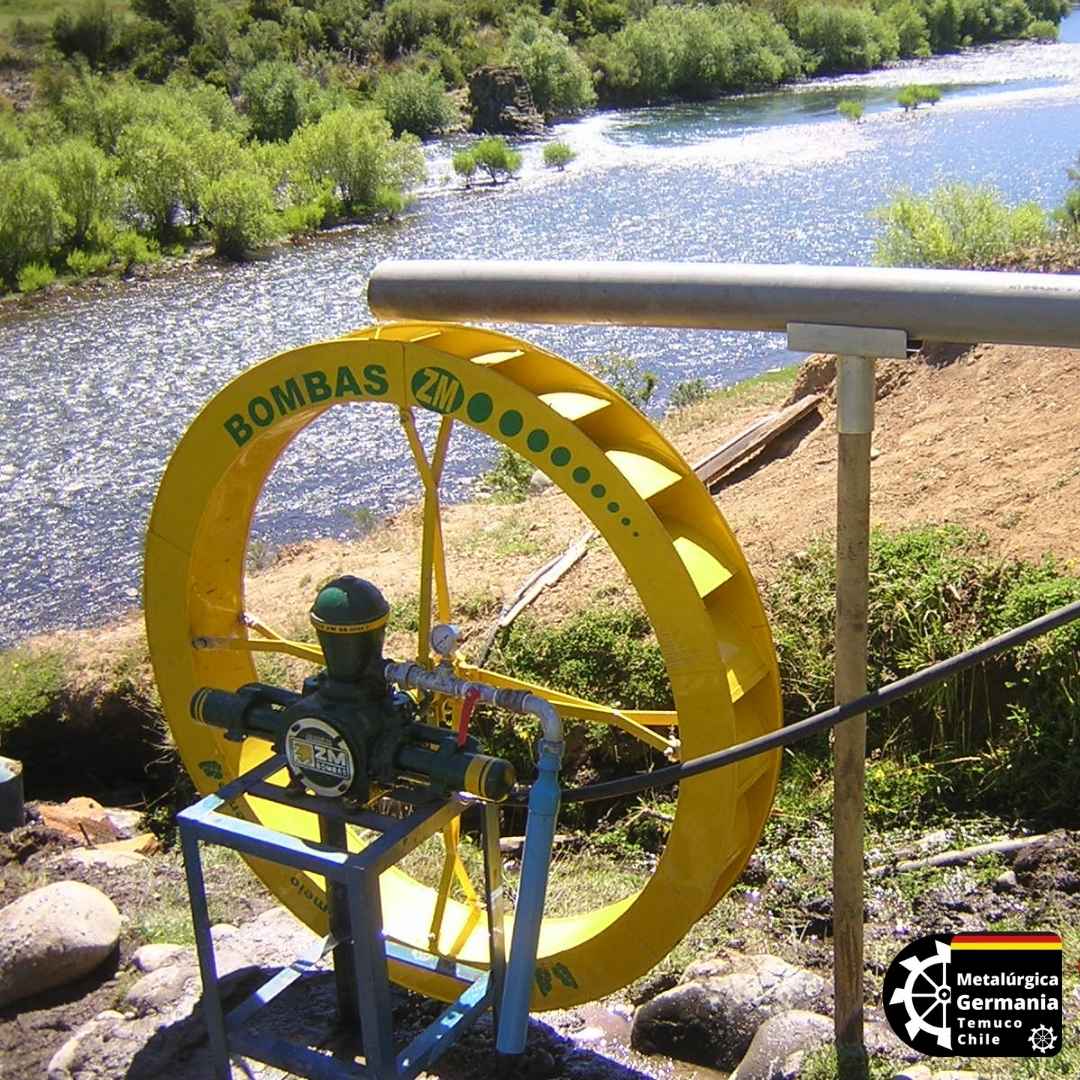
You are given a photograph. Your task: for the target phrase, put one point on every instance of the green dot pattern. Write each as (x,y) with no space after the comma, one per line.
(537,440)
(479,408)
(598,491)
(560,456)
(613,507)
(581,475)
(511,422)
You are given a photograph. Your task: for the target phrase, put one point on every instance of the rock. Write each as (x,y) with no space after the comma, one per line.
(502,102)
(149,958)
(101,857)
(778,1039)
(711,1019)
(125,822)
(52,936)
(161,988)
(142,844)
(539,481)
(1006,882)
(81,818)
(1029,859)
(957,1074)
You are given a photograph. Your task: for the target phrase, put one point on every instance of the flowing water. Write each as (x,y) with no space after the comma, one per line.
(96,387)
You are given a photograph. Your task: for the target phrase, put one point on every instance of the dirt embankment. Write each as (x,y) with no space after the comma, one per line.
(987,438)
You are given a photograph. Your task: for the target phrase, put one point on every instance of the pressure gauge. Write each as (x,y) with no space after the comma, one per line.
(444,640)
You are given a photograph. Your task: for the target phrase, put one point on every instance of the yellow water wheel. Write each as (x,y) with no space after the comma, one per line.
(643,499)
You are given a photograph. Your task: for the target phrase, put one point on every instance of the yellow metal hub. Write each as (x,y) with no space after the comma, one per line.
(644,500)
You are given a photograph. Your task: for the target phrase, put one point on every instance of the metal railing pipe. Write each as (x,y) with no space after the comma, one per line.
(963,306)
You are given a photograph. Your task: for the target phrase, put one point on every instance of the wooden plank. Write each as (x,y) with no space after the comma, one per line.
(752,439)
(548,574)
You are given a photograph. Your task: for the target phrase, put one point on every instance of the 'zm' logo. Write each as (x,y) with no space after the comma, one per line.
(437,389)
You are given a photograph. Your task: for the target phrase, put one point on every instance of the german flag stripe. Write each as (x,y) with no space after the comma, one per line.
(1007,941)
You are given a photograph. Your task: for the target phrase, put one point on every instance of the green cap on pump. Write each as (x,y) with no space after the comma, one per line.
(349,616)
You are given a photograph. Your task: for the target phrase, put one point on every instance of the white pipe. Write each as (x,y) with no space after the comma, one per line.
(965,306)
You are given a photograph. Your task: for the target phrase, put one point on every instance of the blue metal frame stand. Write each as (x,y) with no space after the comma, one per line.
(356,938)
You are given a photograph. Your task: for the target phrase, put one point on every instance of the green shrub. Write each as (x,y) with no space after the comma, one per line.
(33,222)
(90,32)
(416,101)
(406,23)
(850,110)
(690,392)
(239,213)
(1041,30)
(495,157)
(956,226)
(558,155)
(353,150)
(911,97)
(129,248)
(465,165)
(625,375)
(280,99)
(160,176)
(912,32)
(85,180)
(35,276)
(844,38)
(934,593)
(13,143)
(83,264)
(508,479)
(558,78)
(30,684)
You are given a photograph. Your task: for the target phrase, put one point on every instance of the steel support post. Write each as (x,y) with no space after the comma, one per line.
(333,831)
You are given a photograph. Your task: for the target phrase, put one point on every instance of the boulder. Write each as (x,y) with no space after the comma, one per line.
(502,103)
(149,958)
(780,1038)
(52,936)
(711,1019)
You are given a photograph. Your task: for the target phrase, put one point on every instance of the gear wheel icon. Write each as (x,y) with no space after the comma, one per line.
(1042,1039)
(926,995)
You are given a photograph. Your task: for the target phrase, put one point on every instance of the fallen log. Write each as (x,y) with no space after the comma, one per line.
(750,440)
(960,856)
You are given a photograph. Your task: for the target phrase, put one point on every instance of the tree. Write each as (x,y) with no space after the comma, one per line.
(558,78)
(911,97)
(160,176)
(495,157)
(465,166)
(239,212)
(85,180)
(354,149)
(279,100)
(33,222)
(416,101)
(90,32)
(850,110)
(558,155)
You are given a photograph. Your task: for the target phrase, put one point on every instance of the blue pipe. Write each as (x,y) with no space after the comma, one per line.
(544,802)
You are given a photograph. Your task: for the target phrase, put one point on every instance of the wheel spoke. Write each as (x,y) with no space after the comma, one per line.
(432,554)
(453,868)
(311,653)
(636,723)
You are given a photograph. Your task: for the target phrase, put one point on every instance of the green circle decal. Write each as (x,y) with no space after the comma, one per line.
(598,491)
(560,456)
(480,407)
(537,440)
(511,422)
(581,475)
(613,507)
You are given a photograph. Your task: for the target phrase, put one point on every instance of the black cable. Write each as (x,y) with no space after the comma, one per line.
(802,729)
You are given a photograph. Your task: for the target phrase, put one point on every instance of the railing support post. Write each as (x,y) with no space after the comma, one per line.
(856,348)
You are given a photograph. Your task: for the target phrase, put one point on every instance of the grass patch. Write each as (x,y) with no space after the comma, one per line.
(507,481)
(31,684)
(763,391)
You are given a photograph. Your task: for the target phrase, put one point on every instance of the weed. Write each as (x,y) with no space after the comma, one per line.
(30,685)
(363,520)
(685,394)
(261,555)
(821,1064)
(508,479)
(625,375)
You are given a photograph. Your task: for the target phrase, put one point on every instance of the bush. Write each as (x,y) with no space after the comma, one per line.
(844,38)
(1041,30)
(558,78)
(160,176)
(407,22)
(464,162)
(30,684)
(558,155)
(495,157)
(956,226)
(625,375)
(280,99)
(508,479)
(130,249)
(91,32)
(83,264)
(912,33)
(239,213)
(33,222)
(911,97)
(353,150)
(850,110)
(85,180)
(416,101)
(934,593)
(35,276)
(686,394)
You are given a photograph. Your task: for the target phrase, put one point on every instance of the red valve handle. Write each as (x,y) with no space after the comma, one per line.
(472,696)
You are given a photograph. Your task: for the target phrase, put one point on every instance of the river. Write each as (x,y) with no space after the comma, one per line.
(96,387)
